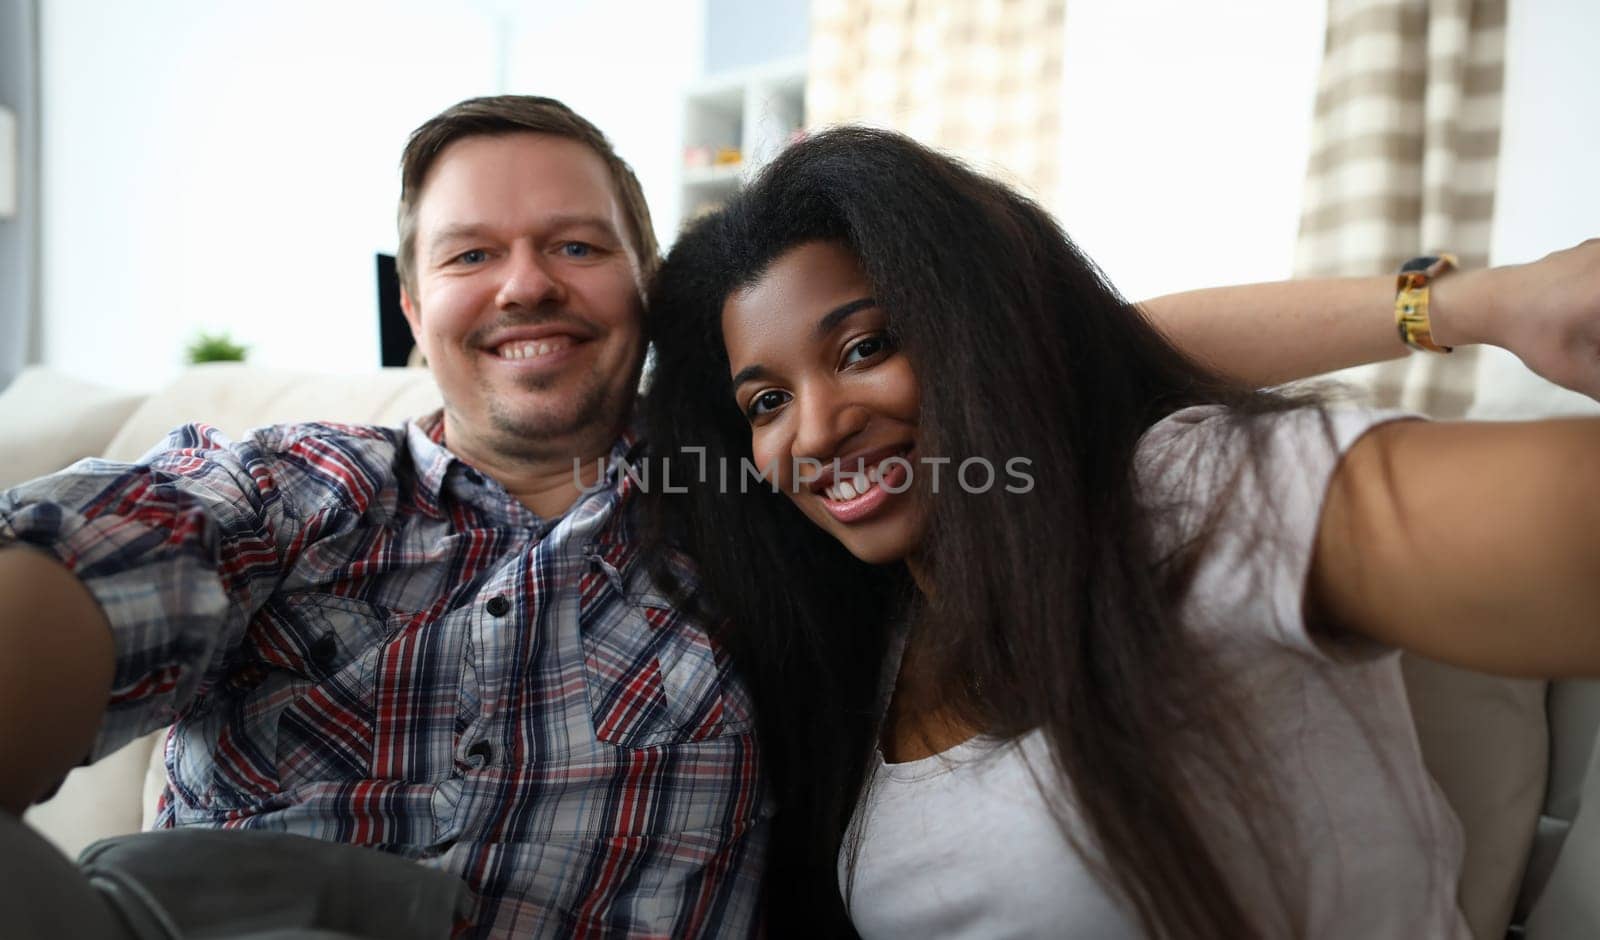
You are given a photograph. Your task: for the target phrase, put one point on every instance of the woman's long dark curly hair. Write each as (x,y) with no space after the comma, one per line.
(1052,610)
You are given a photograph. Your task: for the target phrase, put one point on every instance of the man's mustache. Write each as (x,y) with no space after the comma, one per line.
(578,325)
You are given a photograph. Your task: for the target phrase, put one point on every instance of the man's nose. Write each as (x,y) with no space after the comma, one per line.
(530,281)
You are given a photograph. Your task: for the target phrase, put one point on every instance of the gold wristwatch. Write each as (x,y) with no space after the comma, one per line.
(1411,300)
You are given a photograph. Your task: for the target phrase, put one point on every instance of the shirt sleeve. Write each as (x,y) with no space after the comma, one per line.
(1257,496)
(180,549)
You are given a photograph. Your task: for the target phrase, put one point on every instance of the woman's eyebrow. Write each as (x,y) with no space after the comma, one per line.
(828,321)
(756,371)
(838,314)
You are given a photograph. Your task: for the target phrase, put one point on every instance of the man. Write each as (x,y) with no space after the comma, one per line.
(431,639)
(422,638)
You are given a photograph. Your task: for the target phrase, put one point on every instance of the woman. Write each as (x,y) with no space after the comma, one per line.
(1143,610)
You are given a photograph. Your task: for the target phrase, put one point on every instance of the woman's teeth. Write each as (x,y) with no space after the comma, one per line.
(533,349)
(848,486)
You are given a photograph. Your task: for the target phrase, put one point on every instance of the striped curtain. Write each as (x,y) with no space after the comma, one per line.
(1403,162)
(979,79)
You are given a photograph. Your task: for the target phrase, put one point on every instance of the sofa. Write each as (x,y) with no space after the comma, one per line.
(1515,758)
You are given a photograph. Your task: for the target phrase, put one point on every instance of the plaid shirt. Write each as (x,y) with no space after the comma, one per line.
(362,639)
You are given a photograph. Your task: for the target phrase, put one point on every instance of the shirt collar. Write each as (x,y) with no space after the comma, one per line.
(437,466)
(425,441)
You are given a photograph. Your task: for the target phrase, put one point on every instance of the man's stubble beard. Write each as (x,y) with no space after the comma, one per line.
(535,434)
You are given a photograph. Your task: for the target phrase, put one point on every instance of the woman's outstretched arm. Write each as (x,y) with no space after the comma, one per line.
(1547,312)
(1477,544)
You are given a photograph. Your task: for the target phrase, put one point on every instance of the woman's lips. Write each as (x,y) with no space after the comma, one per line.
(862,506)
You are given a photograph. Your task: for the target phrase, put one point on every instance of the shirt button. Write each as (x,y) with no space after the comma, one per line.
(482,750)
(498,606)
(324,649)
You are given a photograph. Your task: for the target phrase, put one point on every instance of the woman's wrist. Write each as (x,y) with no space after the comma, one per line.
(1464,309)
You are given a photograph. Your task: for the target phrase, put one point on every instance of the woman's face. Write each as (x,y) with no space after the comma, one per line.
(832,405)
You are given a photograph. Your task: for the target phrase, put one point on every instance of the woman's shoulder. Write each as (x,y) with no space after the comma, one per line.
(1205,427)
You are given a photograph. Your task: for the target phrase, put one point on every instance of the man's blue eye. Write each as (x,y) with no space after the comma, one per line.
(475,256)
(577,249)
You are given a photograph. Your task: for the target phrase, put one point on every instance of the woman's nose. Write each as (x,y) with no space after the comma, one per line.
(828,421)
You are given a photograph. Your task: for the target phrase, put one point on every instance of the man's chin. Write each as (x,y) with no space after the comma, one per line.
(543,427)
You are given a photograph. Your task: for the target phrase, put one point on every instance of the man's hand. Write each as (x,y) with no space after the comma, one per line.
(1547,312)
(56,664)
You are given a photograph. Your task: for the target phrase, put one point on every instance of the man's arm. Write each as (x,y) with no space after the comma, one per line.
(55,673)
(125,589)
(1546,312)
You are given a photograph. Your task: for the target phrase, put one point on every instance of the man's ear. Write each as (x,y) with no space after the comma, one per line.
(418,358)
(409,308)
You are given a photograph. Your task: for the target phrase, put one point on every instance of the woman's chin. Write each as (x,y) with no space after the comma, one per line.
(887,546)
(889,537)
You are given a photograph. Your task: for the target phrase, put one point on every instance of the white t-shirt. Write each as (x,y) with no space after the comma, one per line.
(963,844)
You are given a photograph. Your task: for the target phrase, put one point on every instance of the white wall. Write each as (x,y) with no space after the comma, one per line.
(1186,130)
(1548,194)
(230,165)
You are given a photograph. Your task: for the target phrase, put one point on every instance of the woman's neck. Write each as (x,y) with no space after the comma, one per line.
(920,721)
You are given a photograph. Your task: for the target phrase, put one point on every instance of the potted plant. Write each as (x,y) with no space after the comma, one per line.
(216,347)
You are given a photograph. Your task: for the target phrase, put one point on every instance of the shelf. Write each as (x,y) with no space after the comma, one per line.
(753,112)
(726,175)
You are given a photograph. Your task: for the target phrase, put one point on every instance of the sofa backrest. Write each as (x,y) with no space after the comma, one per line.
(234,398)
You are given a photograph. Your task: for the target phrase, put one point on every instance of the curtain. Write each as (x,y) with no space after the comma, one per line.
(979,79)
(1404,153)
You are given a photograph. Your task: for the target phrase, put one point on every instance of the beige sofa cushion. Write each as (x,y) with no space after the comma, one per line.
(235,398)
(1483,739)
(107,798)
(49,419)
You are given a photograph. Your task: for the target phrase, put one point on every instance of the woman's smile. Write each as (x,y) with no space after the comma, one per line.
(833,406)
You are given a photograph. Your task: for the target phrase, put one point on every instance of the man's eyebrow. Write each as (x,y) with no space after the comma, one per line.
(456,233)
(578,220)
(829,320)
(470,230)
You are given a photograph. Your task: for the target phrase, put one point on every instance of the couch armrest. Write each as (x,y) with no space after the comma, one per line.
(101,800)
(49,420)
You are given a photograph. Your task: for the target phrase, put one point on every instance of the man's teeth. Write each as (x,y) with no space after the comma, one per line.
(533,349)
(848,486)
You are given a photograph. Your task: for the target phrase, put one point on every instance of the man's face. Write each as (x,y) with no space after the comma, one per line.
(527,300)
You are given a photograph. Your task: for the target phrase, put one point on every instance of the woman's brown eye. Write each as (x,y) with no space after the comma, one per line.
(866,349)
(765,402)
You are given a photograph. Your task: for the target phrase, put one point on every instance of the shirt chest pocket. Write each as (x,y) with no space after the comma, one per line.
(653,676)
(337,638)
(325,727)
